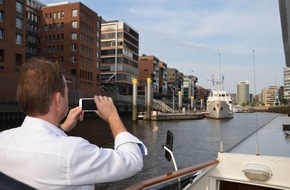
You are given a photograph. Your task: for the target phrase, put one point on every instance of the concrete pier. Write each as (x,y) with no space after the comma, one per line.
(177,116)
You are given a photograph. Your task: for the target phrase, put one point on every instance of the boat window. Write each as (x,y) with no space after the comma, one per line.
(226,185)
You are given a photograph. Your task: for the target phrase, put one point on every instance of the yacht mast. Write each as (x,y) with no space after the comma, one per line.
(219,74)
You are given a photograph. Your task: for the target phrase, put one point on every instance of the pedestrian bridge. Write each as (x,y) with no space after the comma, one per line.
(157,105)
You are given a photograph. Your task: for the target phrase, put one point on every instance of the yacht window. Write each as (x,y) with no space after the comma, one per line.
(226,185)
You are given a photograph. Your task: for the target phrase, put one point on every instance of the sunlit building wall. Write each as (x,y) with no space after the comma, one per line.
(71,34)
(269,95)
(119,55)
(243,93)
(287,83)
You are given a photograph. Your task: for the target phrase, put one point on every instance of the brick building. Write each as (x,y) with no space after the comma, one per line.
(19,37)
(71,35)
(148,68)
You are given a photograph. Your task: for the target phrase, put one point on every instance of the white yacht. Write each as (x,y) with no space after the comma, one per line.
(219,105)
(237,108)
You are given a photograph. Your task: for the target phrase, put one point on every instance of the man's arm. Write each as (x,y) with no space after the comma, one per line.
(108,112)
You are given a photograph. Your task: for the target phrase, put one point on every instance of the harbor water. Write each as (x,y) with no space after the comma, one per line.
(195,141)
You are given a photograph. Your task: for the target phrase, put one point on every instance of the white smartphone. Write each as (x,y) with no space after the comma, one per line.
(87,104)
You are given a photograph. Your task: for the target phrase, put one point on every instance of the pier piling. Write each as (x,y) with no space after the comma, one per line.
(134,99)
(149,99)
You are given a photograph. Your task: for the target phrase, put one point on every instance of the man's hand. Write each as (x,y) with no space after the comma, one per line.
(108,112)
(75,114)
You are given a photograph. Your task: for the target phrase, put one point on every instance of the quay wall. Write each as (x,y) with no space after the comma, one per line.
(275,109)
(10,112)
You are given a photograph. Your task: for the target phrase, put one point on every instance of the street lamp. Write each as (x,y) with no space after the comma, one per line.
(173,88)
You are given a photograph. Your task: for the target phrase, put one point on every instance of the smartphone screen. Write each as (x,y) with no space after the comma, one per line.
(87,104)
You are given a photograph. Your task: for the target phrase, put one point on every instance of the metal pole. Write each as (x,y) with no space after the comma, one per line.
(149,98)
(173,102)
(134,99)
(172,156)
(116,53)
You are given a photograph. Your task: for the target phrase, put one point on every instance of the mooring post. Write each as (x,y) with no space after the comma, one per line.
(134,99)
(179,101)
(191,102)
(149,99)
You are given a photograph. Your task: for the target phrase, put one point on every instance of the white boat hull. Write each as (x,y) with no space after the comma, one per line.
(219,110)
(232,169)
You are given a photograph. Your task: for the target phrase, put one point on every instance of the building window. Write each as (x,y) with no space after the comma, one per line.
(18,39)
(73,59)
(74,36)
(62,14)
(18,59)
(1,16)
(18,23)
(74,24)
(74,47)
(1,33)
(19,7)
(1,55)
(1,2)
(74,13)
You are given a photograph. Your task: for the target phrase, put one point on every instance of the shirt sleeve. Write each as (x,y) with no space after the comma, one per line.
(90,164)
(126,137)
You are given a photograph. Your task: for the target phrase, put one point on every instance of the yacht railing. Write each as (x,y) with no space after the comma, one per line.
(173,175)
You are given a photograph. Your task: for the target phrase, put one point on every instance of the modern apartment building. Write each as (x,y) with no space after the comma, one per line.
(269,94)
(243,92)
(286,83)
(71,35)
(189,86)
(174,78)
(163,87)
(19,37)
(148,68)
(119,55)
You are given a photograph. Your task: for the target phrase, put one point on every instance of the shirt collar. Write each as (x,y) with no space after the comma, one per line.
(40,124)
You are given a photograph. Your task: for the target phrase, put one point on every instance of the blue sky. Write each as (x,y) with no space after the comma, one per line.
(189,35)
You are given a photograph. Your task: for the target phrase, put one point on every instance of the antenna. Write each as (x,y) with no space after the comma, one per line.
(219,86)
(257,136)
(219,74)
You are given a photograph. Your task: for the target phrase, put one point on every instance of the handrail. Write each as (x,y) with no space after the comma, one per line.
(172,175)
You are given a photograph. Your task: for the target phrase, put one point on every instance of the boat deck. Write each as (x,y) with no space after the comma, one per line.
(272,140)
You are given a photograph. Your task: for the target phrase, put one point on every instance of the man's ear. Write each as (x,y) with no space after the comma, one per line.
(58,98)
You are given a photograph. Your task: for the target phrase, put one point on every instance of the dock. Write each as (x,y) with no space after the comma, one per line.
(176,116)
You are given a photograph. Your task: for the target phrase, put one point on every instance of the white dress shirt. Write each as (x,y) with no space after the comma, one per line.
(43,156)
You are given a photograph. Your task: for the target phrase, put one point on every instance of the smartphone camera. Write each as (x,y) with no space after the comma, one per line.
(87,104)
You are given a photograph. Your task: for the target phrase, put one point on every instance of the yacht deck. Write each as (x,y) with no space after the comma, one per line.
(272,140)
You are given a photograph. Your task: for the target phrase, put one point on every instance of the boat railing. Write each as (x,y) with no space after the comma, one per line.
(172,176)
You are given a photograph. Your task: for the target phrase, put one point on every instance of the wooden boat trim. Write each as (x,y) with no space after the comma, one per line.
(172,175)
